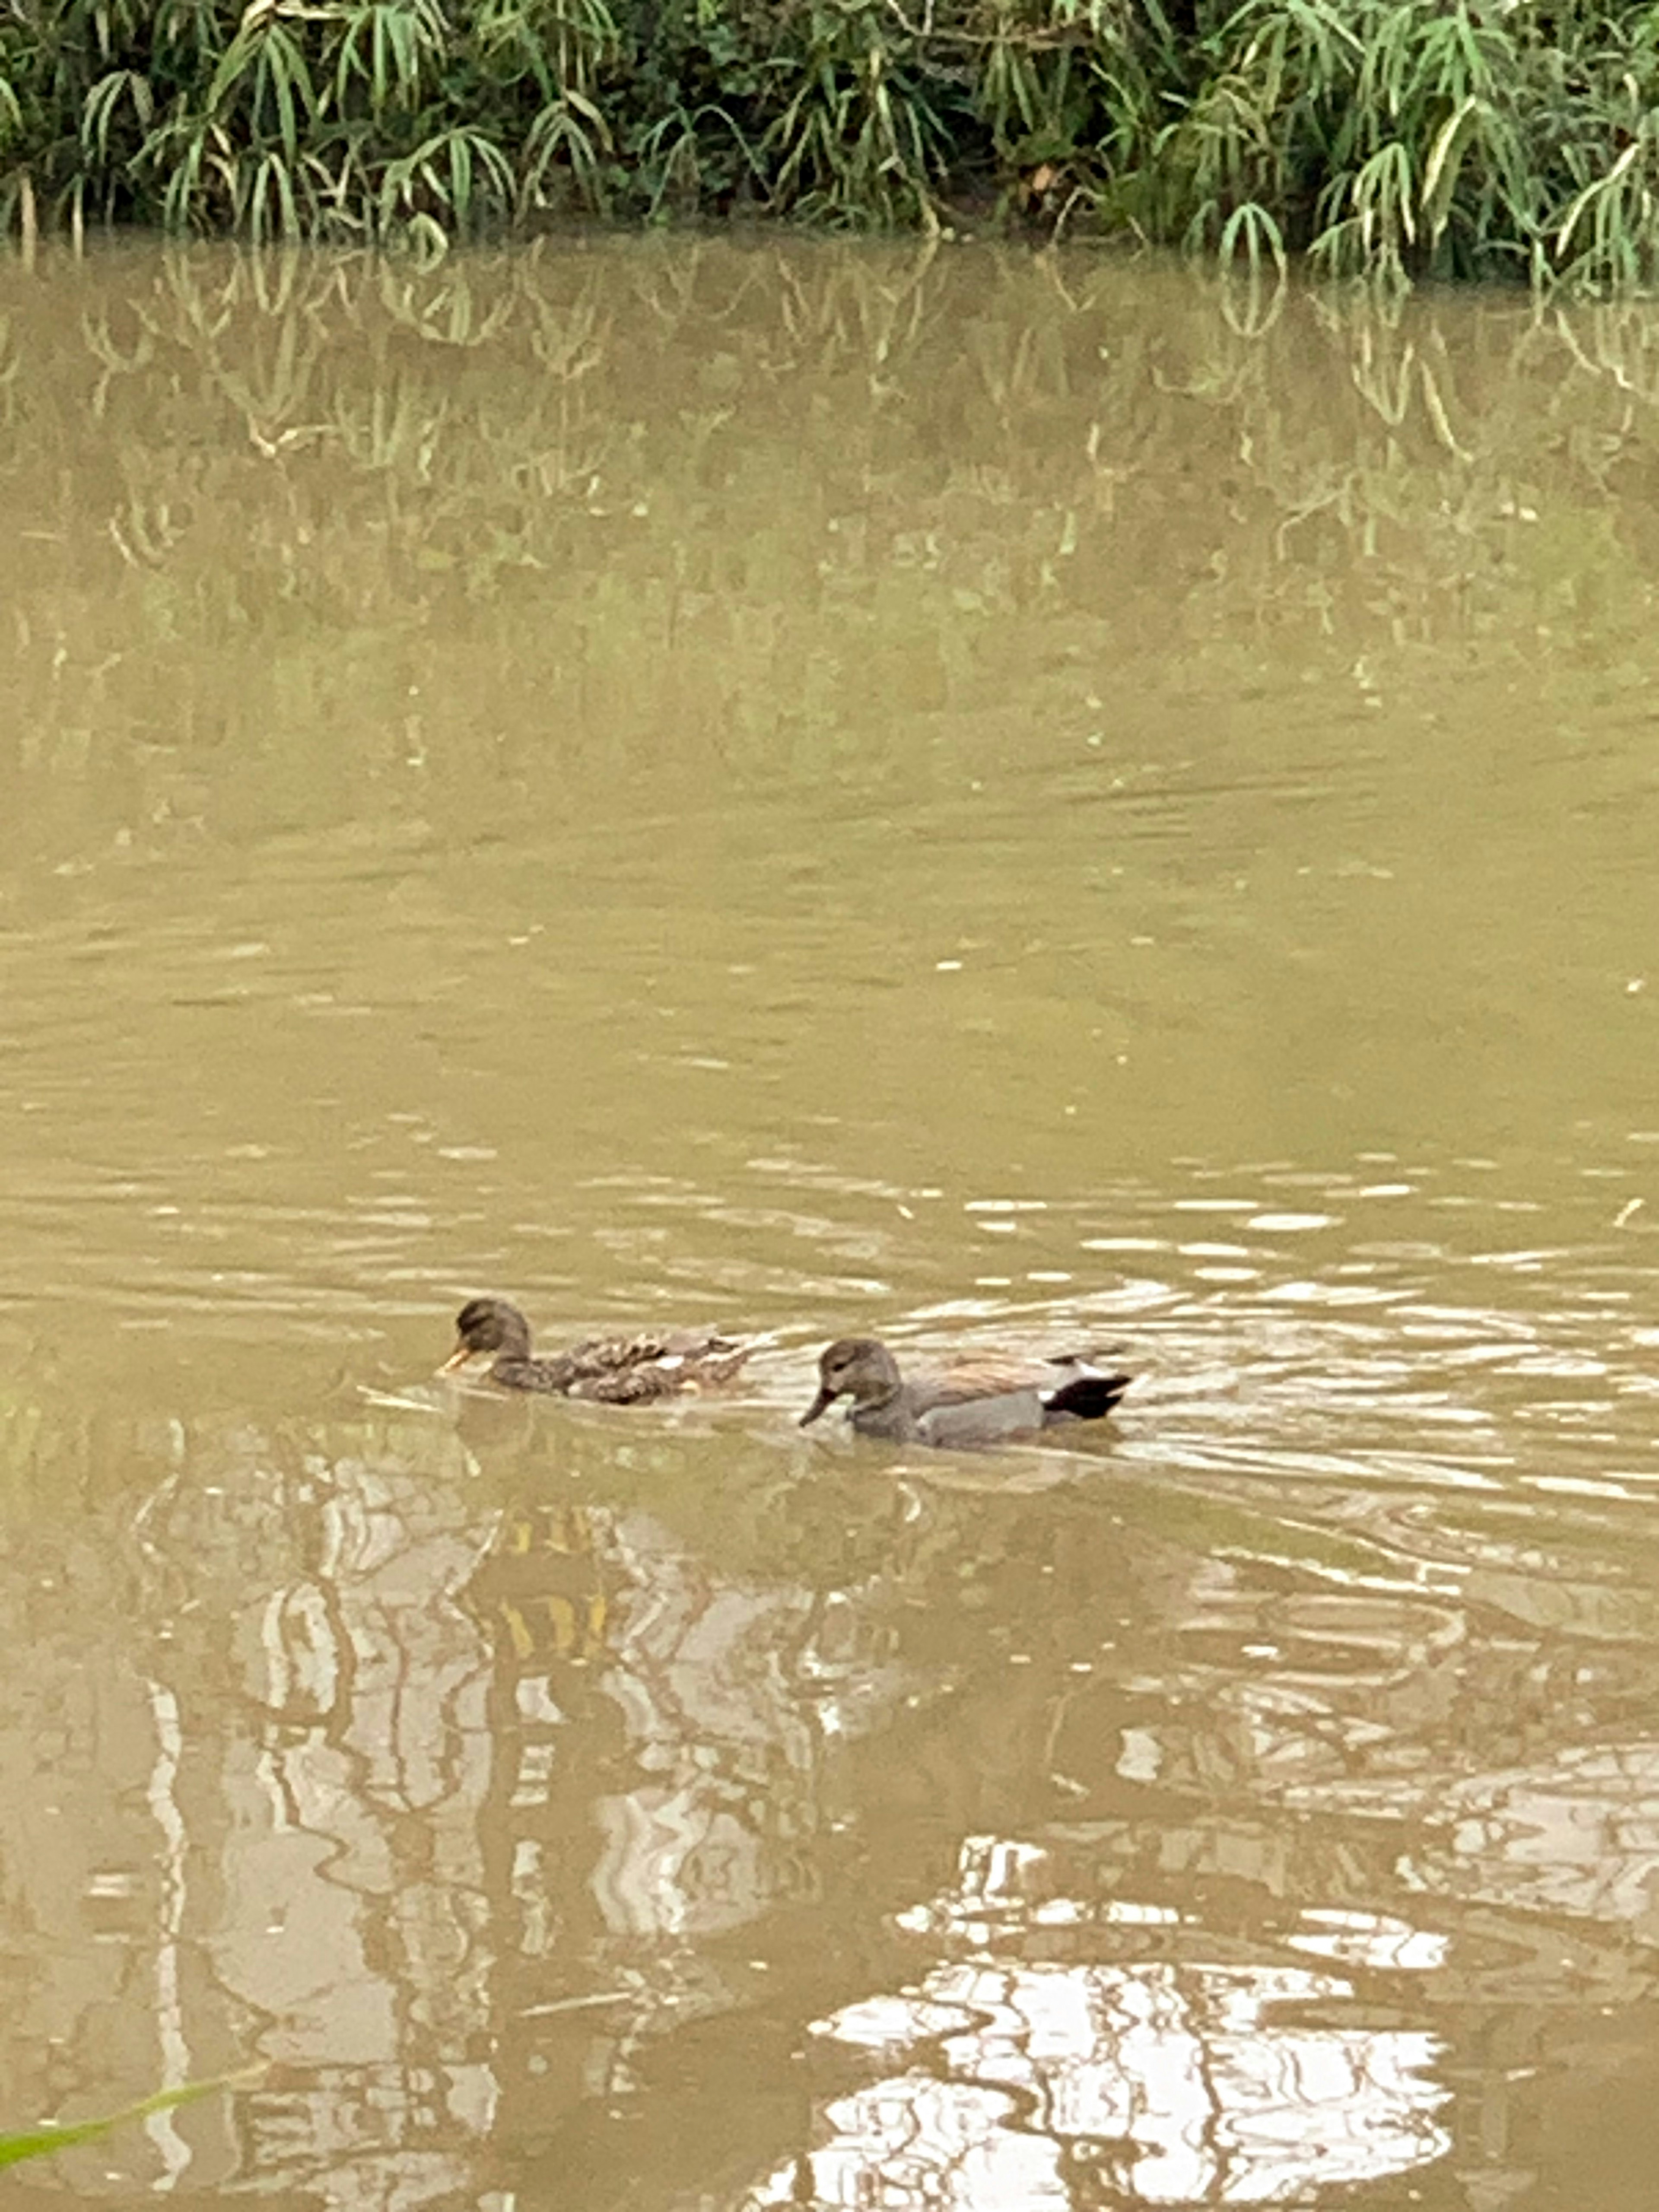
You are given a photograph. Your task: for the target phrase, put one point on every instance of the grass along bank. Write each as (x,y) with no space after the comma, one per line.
(1393,140)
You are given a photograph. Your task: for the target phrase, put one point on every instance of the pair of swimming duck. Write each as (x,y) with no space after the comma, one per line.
(976,1401)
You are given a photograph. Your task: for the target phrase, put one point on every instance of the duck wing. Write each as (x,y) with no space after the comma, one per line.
(618,1355)
(981,1374)
(1030,1391)
(645,1367)
(632,1386)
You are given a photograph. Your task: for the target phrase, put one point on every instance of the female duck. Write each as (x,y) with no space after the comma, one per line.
(979,1400)
(620,1370)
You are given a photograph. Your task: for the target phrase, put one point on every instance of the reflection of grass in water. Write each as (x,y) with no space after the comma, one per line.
(40,2142)
(718,515)
(392,438)
(1432,138)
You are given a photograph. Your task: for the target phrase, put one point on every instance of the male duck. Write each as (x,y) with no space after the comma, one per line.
(979,1400)
(620,1370)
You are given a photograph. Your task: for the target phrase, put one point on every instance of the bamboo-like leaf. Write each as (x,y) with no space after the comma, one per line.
(41,2142)
(1596,190)
(1255,228)
(1440,169)
(101,103)
(283,78)
(461,180)
(237,57)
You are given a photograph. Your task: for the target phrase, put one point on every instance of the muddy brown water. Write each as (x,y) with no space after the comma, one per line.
(979,798)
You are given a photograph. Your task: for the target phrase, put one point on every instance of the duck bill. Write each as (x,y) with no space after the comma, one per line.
(459,1358)
(821,1404)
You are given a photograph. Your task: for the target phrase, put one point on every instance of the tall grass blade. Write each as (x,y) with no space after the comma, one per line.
(41,2142)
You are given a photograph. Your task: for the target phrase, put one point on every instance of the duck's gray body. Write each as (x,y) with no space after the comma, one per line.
(978,1401)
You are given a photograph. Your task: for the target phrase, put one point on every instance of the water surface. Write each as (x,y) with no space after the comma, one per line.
(967,796)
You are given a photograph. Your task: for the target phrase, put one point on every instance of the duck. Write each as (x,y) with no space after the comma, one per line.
(984,1399)
(617,1371)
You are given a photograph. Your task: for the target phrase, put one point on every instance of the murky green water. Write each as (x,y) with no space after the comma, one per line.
(978,799)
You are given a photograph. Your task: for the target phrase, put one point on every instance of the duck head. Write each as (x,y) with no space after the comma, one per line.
(488,1325)
(855,1367)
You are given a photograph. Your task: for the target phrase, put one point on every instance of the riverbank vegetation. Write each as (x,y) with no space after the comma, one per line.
(1394,139)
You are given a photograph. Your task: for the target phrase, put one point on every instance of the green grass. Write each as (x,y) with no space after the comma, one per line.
(1387,140)
(41,2142)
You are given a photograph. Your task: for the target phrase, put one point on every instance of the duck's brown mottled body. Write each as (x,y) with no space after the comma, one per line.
(616,1371)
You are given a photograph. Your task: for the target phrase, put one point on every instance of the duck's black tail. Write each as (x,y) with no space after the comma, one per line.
(1088,1397)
